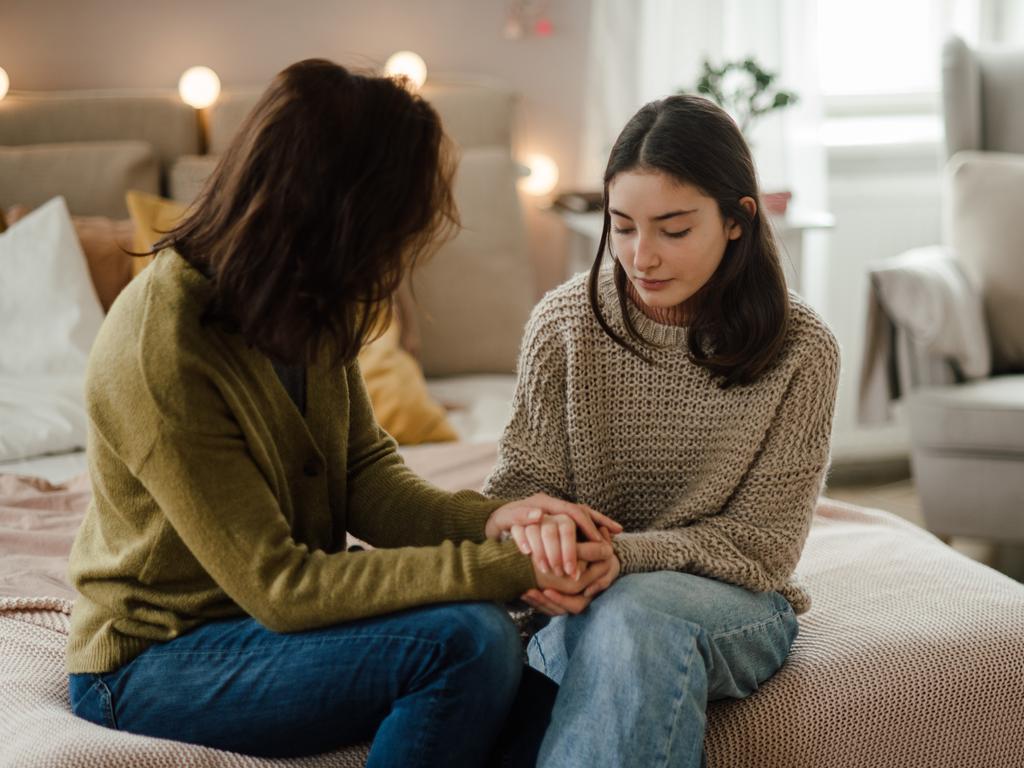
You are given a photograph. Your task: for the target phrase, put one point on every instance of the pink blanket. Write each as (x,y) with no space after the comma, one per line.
(912,655)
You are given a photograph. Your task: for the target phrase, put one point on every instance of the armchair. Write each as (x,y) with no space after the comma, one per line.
(967,437)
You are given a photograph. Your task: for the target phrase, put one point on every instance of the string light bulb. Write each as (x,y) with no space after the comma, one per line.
(543,175)
(407,65)
(199,87)
(5,82)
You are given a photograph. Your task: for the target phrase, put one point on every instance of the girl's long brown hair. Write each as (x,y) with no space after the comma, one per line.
(334,186)
(741,315)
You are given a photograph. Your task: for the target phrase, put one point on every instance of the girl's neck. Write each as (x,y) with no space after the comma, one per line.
(676,315)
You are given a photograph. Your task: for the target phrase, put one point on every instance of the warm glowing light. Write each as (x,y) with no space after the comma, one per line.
(543,175)
(199,87)
(408,65)
(5,82)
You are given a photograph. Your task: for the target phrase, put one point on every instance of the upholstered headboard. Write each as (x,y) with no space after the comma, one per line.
(90,146)
(473,297)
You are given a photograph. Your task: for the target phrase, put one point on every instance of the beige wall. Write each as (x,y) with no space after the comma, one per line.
(67,44)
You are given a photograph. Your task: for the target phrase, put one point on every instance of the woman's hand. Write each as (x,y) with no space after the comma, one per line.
(553,541)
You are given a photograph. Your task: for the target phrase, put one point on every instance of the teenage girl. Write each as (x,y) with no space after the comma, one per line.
(232,447)
(683,391)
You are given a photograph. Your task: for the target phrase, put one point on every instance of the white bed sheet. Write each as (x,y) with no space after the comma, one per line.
(479,406)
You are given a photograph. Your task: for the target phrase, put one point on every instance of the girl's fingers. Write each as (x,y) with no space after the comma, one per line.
(537,601)
(593,551)
(540,562)
(567,603)
(519,536)
(552,546)
(603,520)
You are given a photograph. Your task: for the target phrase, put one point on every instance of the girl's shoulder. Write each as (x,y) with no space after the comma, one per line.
(563,312)
(809,336)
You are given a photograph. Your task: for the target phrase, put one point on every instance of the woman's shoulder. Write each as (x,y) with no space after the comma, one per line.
(152,334)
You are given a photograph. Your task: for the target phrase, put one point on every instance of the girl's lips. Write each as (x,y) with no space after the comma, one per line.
(652,285)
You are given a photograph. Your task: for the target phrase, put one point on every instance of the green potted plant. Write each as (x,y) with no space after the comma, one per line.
(747,91)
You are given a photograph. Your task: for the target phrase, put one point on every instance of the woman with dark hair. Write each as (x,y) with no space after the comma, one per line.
(232,447)
(685,392)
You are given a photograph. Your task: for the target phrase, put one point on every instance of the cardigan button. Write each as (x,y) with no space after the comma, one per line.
(311,468)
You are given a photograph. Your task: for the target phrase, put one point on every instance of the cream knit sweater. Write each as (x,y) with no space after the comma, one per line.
(720,483)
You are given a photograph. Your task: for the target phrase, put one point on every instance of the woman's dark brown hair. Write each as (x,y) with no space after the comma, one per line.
(334,186)
(740,316)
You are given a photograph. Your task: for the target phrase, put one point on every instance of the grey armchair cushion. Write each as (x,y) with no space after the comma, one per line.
(984,416)
(987,231)
(983,100)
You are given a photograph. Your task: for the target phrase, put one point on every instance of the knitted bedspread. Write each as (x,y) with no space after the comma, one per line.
(912,654)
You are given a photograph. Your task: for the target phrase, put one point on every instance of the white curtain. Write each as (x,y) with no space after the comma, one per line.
(642,50)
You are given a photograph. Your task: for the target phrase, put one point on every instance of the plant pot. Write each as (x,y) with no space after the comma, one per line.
(776,203)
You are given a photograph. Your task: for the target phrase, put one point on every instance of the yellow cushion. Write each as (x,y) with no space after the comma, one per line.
(398,391)
(393,377)
(152,216)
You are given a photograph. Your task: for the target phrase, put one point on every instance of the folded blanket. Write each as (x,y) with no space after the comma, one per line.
(925,327)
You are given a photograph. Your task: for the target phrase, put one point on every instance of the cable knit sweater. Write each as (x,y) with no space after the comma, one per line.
(720,483)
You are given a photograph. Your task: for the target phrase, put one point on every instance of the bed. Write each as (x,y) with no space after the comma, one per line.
(912,655)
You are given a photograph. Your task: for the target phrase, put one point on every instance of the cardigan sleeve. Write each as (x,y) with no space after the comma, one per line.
(756,539)
(533,453)
(221,507)
(389,505)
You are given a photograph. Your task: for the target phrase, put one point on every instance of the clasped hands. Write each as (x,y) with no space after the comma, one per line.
(569,545)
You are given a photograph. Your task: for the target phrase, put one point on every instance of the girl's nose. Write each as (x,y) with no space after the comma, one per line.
(646,256)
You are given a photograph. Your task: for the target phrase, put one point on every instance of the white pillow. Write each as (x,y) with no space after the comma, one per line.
(49,316)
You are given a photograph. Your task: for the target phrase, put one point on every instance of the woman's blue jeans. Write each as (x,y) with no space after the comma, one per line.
(637,668)
(431,687)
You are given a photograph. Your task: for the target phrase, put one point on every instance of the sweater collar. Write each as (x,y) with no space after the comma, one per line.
(659,334)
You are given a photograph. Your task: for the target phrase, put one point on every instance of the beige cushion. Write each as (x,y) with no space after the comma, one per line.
(188,174)
(474,296)
(92,177)
(987,232)
(159,118)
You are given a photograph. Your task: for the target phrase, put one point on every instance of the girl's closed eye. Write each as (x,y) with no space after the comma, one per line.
(622,230)
(680,233)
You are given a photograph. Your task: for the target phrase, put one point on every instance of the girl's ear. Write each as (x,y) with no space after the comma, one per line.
(735,229)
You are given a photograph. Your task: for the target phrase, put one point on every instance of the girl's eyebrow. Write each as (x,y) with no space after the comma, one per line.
(660,217)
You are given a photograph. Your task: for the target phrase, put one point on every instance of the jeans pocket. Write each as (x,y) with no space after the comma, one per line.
(91,700)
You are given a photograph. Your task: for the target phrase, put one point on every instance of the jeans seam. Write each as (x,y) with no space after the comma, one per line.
(543,656)
(107,700)
(748,627)
(678,703)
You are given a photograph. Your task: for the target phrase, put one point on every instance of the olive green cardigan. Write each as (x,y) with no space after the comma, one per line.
(215,498)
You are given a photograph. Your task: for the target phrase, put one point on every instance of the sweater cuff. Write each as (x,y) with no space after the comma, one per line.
(639,553)
(465,515)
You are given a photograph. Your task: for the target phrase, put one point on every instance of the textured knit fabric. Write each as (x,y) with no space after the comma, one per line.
(214,497)
(717,482)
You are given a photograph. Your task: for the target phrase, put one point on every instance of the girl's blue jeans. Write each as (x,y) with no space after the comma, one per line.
(431,686)
(637,668)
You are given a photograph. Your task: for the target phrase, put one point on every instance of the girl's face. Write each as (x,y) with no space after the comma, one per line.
(669,237)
